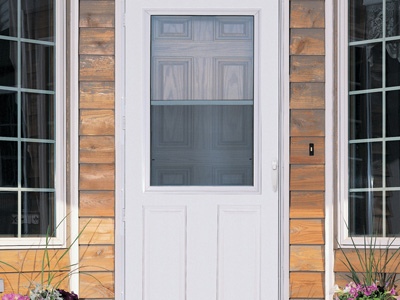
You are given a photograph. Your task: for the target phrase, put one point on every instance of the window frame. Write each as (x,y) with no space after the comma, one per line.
(342,154)
(59,240)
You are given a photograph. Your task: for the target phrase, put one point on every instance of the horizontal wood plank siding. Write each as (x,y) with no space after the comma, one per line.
(307,170)
(97,148)
(306,258)
(309,205)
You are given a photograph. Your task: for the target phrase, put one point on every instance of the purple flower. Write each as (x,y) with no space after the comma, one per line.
(13,296)
(68,295)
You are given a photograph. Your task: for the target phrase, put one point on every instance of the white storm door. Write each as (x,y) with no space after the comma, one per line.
(201,148)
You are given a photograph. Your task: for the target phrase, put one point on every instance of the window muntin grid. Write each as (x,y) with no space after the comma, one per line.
(28,118)
(374,139)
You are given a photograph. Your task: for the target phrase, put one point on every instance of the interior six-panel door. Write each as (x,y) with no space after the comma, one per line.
(201,139)
(202,100)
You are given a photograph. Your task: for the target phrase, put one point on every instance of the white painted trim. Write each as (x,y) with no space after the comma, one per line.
(119,280)
(74,138)
(329,146)
(284,125)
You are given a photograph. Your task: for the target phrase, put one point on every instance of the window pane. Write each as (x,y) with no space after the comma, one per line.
(202,100)
(365,163)
(393,114)
(8,20)
(8,63)
(8,214)
(365,213)
(365,66)
(202,145)
(365,19)
(8,164)
(37,116)
(8,114)
(393,164)
(37,165)
(392,18)
(365,116)
(37,214)
(38,66)
(392,63)
(392,217)
(38,19)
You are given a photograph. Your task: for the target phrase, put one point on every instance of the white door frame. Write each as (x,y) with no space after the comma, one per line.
(120,149)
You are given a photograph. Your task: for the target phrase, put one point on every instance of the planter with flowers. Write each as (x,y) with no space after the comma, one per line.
(46,285)
(372,273)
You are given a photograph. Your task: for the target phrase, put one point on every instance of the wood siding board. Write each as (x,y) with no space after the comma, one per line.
(307,95)
(96,149)
(307,122)
(306,232)
(300,150)
(391,267)
(98,231)
(307,41)
(31,260)
(308,285)
(307,177)
(307,14)
(96,258)
(96,204)
(97,122)
(90,288)
(307,205)
(97,13)
(96,95)
(97,177)
(22,283)
(304,258)
(97,41)
(96,68)
(307,68)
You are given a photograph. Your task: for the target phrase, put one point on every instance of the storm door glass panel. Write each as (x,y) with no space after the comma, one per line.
(202,102)
(374,114)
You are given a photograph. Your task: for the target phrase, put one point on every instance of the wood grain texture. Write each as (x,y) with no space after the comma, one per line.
(96,13)
(307,14)
(307,122)
(96,95)
(96,258)
(96,204)
(96,149)
(18,283)
(340,260)
(96,68)
(31,260)
(96,177)
(98,231)
(307,285)
(307,177)
(300,150)
(310,68)
(305,258)
(307,41)
(307,232)
(91,288)
(307,95)
(97,122)
(98,41)
(307,205)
